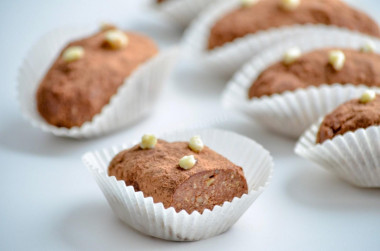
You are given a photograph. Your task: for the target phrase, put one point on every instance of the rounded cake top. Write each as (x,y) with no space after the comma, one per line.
(88,72)
(321,66)
(265,14)
(351,116)
(184,175)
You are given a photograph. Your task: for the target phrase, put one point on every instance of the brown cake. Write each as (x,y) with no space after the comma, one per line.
(156,172)
(266,14)
(348,117)
(314,69)
(74,90)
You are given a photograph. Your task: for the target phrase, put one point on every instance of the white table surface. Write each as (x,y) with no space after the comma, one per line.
(49,201)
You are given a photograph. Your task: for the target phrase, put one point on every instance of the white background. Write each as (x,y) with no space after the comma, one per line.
(49,201)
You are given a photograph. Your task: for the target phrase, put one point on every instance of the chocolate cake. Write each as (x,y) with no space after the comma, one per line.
(156,171)
(350,116)
(267,14)
(87,73)
(314,69)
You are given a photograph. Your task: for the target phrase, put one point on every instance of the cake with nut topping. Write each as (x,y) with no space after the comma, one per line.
(184,175)
(351,116)
(88,72)
(318,67)
(259,15)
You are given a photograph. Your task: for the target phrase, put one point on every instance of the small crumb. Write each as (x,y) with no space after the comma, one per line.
(368,47)
(337,59)
(291,55)
(148,141)
(196,144)
(367,97)
(187,162)
(73,53)
(290,5)
(248,3)
(210,182)
(116,39)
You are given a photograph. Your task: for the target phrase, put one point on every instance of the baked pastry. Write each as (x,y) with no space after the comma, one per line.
(316,68)
(350,116)
(185,176)
(267,14)
(350,137)
(88,72)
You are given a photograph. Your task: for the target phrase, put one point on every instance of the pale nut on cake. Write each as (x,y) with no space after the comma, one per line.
(289,5)
(196,144)
(248,3)
(367,96)
(116,39)
(148,141)
(187,162)
(73,53)
(368,47)
(291,55)
(337,59)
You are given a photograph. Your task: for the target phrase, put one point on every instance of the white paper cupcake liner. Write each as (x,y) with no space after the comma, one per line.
(134,99)
(292,112)
(353,156)
(183,11)
(153,219)
(230,57)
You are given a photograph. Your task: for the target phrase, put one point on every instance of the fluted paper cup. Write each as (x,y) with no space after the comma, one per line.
(183,11)
(353,156)
(133,100)
(292,112)
(153,219)
(228,58)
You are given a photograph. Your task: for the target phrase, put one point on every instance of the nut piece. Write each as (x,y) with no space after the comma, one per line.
(248,3)
(196,144)
(104,26)
(337,59)
(290,5)
(116,39)
(368,47)
(187,162)
(148,141)
(367,97)
(210,181)
(291,55)
(73,53)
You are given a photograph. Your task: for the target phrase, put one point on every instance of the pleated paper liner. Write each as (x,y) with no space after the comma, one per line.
(183,11)
(292,112)
(228,58)
(134,99)
(153,219)
(353,156)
